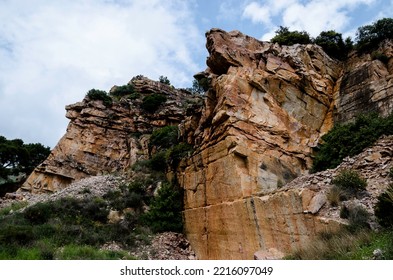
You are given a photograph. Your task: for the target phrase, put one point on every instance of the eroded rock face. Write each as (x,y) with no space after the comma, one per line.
(366,85)
(266,109)
(101,139)
(265,112)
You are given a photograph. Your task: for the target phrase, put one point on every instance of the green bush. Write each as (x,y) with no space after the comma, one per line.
(124,90)
(350,139)
(380,56)
(384,208)
(164,80)
(350,182)
(333,44)
(39,213)
(158,161)
(95,94)
(165,210)
(370,36)
(152,102)
(178,152)
(164,137)
(285,37)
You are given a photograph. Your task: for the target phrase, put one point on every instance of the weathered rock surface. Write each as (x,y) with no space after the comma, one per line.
(366,85)
(101,139)
(266,109)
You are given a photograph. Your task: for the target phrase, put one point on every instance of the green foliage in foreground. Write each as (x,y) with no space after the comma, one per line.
(350,182)
(65,229)
(384,208)
(350,139)
(347,245)
(165,210)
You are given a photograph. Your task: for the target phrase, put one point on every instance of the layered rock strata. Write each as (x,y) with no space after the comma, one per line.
(104,139)
(366,84)
(266,109)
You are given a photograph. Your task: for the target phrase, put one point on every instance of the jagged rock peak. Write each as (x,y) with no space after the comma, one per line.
(104,138)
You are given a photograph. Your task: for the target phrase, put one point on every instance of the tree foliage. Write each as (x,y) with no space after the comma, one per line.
(350,139)
(164,137)
(17,157)
(164,80)
(165,210)
(369,36)
(152,102)
(120,91)
(333,44)
(96,94)
(285,37)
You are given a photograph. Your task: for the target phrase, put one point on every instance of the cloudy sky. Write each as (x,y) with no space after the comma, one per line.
(53,51)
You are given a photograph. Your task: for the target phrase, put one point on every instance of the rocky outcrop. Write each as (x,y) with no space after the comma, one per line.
(103,139)
(264,113)
(366,84)
(266,109)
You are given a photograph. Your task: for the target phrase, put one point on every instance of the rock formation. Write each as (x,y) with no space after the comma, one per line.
(103,139)
(266,109)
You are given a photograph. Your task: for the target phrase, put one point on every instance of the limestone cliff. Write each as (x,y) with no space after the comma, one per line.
(266,109)
(103,139)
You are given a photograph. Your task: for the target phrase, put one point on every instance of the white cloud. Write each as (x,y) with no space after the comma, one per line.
(258,13)
(312,16)
(52,52)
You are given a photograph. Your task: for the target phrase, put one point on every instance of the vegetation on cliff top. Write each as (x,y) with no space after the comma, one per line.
(368,38)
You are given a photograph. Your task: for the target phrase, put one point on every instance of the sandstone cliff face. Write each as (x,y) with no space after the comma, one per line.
(265,111)
(366,85)
(101,139)
(267,108)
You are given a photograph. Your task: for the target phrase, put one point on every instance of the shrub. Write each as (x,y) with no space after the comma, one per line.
(380,56)
(164,137)
(134,96)
(178,152)
(165,210)
(120,91)
(95,94)
(39,213)
(350,139)
(199,86)
(164,80)
(152,102)
(350,182)
(285,37)
(384,208)
(158,161)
